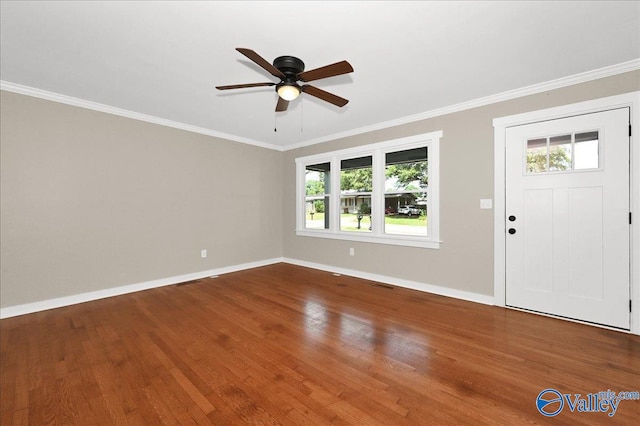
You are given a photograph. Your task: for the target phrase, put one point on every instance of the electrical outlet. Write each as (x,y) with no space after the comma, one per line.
(352,251)
(203,253)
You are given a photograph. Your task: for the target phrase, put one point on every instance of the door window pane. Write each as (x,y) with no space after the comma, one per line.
(537,155)
(356,186)
(564,153)
(406,192)
(318,184)
(560,153)
(586,151)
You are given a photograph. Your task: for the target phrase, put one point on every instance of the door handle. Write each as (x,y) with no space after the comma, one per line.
(512,231)
(512,218)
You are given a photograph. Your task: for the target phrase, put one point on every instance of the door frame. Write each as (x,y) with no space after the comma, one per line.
(500,124)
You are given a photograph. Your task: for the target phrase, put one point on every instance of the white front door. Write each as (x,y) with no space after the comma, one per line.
(567,217)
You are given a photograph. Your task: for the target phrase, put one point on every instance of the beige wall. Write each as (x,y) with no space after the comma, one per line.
(465,259)
(91,201)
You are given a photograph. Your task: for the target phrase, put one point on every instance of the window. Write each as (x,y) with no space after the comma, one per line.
(405,196)
(356,188)
(586,151)
(383,193)
(317,180)
(563,153)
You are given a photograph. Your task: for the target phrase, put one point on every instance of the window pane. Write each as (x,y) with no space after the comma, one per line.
(537,155)
(586,151)
(317,183)
(560,153)
(356,185)
(406,192)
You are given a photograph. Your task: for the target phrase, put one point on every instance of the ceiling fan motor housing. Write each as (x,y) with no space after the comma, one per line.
(289,65)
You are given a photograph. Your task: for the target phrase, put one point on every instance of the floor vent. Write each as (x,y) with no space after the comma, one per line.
(189,283)
(387,286)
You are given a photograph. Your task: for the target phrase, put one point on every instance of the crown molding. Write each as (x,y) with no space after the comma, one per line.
(584,77)
(82,103)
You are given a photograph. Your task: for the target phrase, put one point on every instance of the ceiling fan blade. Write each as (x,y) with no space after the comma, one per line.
(325,96)
(339,68)
(242,86)
(282,105)
(261,61)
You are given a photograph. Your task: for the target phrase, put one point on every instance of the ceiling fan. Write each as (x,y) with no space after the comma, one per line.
(290,70)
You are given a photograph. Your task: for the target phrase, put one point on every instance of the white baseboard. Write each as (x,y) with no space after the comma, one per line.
(59,302)
(414,285)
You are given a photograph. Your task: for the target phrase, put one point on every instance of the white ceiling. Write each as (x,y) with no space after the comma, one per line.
(163,59)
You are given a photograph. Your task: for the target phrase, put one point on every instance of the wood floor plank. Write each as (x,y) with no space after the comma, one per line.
(289,345)
(197,397)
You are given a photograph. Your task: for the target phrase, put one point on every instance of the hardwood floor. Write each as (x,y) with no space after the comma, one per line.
(288,345)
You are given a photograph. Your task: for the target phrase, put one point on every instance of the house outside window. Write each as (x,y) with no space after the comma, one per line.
(386,193)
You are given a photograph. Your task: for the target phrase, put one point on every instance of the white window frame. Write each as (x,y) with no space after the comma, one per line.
(377,151)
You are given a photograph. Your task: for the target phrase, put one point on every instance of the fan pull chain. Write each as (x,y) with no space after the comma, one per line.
(275,128)
(301,116)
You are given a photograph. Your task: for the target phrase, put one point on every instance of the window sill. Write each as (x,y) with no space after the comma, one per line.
(396,240)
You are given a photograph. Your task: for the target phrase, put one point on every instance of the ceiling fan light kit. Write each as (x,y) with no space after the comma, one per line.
(288,92)
(290,70)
